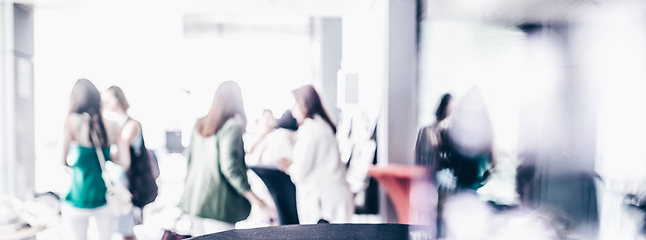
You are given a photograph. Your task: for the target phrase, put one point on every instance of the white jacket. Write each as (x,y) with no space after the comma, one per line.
(322,191)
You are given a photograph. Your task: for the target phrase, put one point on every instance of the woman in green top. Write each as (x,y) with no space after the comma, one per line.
(217,193)
(86,197)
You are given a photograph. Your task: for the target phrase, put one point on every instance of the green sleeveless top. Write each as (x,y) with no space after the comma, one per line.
(87,189)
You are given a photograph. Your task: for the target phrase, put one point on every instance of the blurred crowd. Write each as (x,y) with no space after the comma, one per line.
(297,170)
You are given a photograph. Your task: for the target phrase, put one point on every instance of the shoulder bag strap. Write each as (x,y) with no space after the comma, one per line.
(126,122)
(99,154)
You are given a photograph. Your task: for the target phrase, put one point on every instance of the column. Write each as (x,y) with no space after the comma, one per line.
(398,120)
(397,123)
(17,155)
(327,42)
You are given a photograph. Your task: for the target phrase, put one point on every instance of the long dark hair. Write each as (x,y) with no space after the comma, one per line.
(287,121)
(226,104)
(307,97)
(442,109)
(85,98)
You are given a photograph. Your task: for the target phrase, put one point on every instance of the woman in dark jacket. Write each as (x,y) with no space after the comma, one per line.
(429,148)
(217,193)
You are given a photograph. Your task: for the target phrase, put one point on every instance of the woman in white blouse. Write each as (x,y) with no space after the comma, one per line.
(322,192)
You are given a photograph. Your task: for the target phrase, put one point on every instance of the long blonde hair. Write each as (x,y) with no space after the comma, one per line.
(227,103)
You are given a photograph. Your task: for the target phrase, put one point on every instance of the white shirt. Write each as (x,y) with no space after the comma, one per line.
(316,159)
(318,173)
(278,146)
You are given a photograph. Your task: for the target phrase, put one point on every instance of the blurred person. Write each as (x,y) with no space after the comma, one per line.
(139,177)
(429,150)
(278,142)
(322,192)
(86,197)
(564,130)
(287,121)
(469,218)
(217,193)
(469,145)
(269,182)
(469,152)
(265,124)
(468,155)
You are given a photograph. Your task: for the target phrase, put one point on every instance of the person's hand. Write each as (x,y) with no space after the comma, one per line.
(254,200)
(271,212)
(283,164)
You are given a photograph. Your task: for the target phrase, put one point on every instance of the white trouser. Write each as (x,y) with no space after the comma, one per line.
(333,203)
(77,221)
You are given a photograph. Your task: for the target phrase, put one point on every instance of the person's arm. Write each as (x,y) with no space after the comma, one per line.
(123,150)
(231,157)
(303,155)
(254,200)
(67,139)
(232,165)
(283,164)
(130,131)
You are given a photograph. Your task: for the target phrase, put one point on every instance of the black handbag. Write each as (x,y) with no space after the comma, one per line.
(141,180)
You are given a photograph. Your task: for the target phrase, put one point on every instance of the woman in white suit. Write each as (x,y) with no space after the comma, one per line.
(322,192)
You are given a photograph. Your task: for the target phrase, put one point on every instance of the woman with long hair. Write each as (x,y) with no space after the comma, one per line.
(322,192)
(429,149)
(86,197)
(431,152)
(139,177)
(217,193)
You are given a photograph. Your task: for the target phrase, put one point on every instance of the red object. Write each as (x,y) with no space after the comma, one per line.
(397,179)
